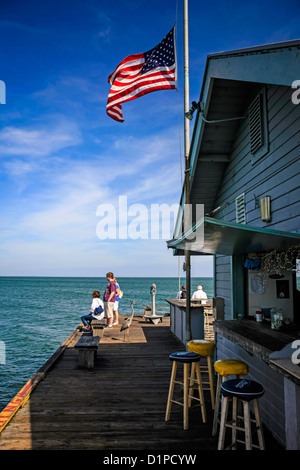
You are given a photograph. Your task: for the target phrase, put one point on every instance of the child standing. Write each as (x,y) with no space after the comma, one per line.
(98,314)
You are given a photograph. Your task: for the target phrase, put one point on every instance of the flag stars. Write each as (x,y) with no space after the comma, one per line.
(161,55)
(156,72)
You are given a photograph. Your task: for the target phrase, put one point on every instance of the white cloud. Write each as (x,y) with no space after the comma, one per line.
(104,26)
(53,220)
(16,167)
(39,141)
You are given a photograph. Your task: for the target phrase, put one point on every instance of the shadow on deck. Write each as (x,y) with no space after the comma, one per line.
(119,405)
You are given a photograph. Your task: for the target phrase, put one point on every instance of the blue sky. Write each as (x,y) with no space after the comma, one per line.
(61,156)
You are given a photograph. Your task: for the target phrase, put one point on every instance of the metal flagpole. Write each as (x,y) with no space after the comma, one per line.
(187,212)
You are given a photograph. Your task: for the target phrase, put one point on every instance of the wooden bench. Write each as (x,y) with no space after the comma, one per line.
(98,327)
(87,350)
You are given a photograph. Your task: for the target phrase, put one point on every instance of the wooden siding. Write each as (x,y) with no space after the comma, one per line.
(223,283)
(276,174)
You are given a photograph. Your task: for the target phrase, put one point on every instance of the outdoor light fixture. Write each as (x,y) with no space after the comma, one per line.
(190,113)
(200,107)
(265,209)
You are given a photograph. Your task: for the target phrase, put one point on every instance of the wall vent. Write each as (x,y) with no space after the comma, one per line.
(240,209)
(256,124)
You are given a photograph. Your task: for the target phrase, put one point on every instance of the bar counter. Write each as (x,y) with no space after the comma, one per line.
(268,354)
(260,340)
(178,318)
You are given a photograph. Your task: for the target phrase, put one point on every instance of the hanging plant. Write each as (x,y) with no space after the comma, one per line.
(276,262)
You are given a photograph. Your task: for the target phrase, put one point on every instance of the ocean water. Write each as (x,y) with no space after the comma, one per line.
(37,314)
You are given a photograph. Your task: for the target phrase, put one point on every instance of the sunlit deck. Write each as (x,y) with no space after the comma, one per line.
(118,405)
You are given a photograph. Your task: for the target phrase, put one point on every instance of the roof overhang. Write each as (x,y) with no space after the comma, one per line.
(231,80)
(211,236)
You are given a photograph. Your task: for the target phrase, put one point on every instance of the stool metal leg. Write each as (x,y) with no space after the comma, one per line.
(171,391)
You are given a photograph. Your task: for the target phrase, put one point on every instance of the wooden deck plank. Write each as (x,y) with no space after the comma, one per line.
(119,405)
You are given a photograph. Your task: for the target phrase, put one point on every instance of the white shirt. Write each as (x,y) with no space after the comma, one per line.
(96,303)
(199,294)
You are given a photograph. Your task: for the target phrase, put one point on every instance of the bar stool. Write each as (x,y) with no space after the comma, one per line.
(186,358)
(206,349)
(245,391)
(224,368)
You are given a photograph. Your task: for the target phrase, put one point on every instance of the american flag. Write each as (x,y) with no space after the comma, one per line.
(139,74)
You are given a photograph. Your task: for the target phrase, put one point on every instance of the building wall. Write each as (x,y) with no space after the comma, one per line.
(276,174)
(223,283)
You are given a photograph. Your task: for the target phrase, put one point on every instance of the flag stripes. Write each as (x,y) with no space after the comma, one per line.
(140,74)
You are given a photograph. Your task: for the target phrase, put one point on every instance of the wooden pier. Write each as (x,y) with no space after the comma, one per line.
(118,405)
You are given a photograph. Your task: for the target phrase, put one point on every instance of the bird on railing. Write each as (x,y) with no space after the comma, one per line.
(127,322)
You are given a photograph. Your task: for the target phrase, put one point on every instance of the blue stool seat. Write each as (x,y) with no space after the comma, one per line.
(188,360)
(243,389)
(185,356)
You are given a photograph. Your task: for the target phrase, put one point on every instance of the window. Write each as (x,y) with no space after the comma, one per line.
(258,129)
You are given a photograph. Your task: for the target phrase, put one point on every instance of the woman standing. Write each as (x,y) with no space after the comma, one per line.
(116,304)
(109,299)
